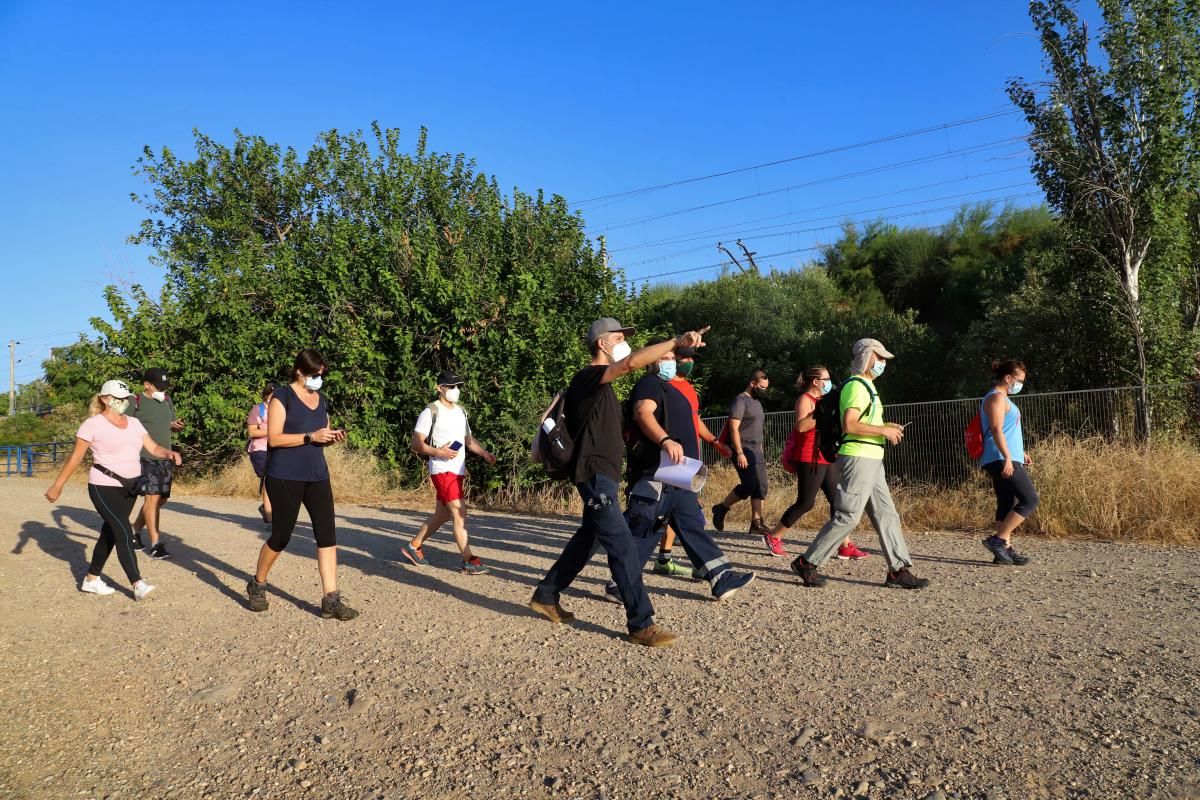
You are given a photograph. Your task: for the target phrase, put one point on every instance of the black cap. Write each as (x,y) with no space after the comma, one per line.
(685,352)
(448,378)
(157,378)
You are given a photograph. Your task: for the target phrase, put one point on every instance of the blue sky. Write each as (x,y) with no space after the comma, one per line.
(583,100)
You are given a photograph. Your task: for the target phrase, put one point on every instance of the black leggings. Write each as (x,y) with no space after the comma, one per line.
(286,499)
(1012,494)
(811,477)
(114,504)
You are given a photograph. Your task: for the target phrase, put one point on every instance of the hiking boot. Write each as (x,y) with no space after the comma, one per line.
(719,512)
(332,606)
(158,551)
(807,572)
(612,594)
(850,552)
(555,613)
(257,592)
(671,567)
(474,566)
(95,586)
(758,527)
(774,544)
(414,554)
(999,550)
(653,636)
(903,579)
(141,589)
(729,583)
(1017,559)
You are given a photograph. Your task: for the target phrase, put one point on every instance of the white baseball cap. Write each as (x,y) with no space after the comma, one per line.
(116,389)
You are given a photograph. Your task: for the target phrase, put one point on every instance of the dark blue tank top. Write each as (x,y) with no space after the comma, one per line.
(305,462)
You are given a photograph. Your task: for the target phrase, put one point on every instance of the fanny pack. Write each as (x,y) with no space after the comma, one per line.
(134,486)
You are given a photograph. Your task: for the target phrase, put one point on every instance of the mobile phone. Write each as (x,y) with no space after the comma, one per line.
(905,425)
(456,446)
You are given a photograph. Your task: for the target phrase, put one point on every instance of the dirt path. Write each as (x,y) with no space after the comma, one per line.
(1074,677)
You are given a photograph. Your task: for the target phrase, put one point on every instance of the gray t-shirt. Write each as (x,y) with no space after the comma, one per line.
(156,417)
(750,412)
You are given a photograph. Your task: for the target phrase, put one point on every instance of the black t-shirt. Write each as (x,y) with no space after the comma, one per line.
(305,462)
(679,415)
(594,422)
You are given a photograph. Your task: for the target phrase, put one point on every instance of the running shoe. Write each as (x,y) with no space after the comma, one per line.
(137,541)
(671,567)
(999,550)
(774,544)
(729,583)
(719,512)
(333,607)
(257,594)
(141,589)
(903,579)
(266,518)
(95,586)
(414,554)
(850,552)
(1017,559)
(158,551)
(807,572)
(474,567)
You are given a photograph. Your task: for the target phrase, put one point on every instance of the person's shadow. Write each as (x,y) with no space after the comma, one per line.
(69,546)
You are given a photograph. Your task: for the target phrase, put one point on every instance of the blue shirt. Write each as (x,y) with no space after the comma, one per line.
(1012,434)
(304,462)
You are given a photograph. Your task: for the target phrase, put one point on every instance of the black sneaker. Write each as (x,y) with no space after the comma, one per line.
(807,572)
(613,595)
(903,579)
(999,550)
(257,592)
(137,541)
(729,584)
(158,551)
(262,512)
(719,512)
(332,607)
(1017,559)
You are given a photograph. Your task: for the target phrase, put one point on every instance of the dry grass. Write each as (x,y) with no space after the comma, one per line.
(1090,489)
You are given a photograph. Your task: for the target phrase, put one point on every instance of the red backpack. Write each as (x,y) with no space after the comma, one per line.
(789,458)
(973,436)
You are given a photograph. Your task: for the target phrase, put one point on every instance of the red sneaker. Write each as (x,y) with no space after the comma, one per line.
(774,544)
(848,552)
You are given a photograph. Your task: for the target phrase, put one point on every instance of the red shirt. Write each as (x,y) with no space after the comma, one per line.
(686,388)
(807,448)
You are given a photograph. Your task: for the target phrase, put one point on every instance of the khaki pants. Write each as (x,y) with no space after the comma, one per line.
(862,487)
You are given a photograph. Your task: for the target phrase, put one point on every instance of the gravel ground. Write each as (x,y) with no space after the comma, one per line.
(1075,676)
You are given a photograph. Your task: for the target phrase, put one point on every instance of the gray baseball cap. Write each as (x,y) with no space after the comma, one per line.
(870,346)
(606,325)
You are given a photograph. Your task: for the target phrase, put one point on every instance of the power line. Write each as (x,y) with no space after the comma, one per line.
(51,336)
(945,126)
(859,173)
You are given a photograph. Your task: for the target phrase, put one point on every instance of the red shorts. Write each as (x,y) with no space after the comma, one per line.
(448,486)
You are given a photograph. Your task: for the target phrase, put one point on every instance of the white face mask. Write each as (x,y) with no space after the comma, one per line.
(621,351)
(159,396)
(119,405)
(452,394)
(313,382)
(1017,387)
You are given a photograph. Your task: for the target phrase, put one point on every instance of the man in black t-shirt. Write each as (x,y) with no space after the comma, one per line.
(594,421)
(661,419)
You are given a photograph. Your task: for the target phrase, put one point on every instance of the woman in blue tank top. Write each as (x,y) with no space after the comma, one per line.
(1005,460)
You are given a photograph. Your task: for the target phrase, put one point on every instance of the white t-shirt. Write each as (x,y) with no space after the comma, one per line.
(451,427)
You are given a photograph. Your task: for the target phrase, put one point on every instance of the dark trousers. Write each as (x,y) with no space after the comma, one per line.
(810,478)
(681,509)
(602,524)
(1012,494)
(286,499)
(114,504)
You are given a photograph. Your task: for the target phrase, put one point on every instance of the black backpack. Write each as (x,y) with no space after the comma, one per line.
(828,418)
(641,454)
(554,448)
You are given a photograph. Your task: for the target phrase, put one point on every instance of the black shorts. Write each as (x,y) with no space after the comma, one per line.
(753,479)
(258,460)
(158,475)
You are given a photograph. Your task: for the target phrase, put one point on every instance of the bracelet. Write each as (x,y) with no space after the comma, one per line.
(664,439)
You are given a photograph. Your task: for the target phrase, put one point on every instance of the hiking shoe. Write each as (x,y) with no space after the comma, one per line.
(1017,559)
(555,613)
(332,606)
(158,551)
(774,544)
(137,541)
(671,567)
(653,636)
(807,572)
(729,583)
(266,518)
(414,554)
(719,512)
(474,567)
(95,586)
(141,589)
(999,550)
(612,594)
(759,527)
(850,552)
(257,592)
(903,579)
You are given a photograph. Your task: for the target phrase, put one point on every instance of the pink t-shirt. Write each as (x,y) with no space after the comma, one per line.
(114,448)
(257,416)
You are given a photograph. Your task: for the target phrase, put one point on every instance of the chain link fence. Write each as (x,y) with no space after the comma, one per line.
(933,451)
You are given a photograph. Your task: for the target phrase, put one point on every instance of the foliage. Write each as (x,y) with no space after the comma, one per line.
(58,426)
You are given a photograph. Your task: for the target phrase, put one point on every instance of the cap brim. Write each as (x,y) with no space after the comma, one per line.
(121,396)
(879,351)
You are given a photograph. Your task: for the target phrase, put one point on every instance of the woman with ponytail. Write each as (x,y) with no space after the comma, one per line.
(1005,460)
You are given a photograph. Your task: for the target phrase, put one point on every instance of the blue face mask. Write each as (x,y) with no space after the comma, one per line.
(826,387)
(666,370)
(878,369)
(1017,387)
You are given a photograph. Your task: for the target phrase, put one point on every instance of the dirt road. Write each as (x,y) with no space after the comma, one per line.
(1076,676)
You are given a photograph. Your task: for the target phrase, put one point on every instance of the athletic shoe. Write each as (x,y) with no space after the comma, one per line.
(729,583)
(555,613)
(903,579)
(95,586)
(257,592)
(1017,559)
(333,607)
(474,567)
(807,572)
(653,636)
(613,594)
(414,554)
(141,589)
(850,552)
(262,511)
(137,541)
(719,512)
(774,544)
(158,551)
(999,550)
(671,567)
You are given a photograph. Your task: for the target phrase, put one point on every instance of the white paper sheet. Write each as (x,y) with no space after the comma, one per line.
(690,474)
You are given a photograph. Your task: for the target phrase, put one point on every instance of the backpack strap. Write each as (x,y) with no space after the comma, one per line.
(866,412)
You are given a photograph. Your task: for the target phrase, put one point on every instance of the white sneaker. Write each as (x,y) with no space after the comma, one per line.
(141,589)
(95,586)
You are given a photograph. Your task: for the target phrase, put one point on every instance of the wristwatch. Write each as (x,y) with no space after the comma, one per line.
(308,438)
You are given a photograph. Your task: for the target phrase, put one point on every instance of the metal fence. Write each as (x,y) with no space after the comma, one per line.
(27,459)
(933,451)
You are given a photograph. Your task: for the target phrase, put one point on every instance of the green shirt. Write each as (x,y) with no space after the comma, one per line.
(155,417)
(856,395)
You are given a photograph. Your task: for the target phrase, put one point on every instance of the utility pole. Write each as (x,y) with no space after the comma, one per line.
(12,376)
(725,250)
(749,254)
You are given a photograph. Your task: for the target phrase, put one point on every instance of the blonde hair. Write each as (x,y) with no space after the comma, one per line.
(95,406)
